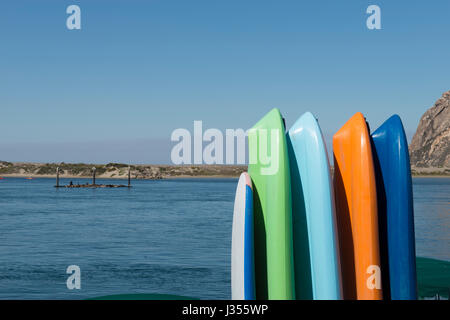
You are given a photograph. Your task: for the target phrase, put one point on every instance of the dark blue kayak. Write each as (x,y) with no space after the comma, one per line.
(395,210)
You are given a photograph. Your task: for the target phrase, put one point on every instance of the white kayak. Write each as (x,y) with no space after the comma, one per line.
(242,248)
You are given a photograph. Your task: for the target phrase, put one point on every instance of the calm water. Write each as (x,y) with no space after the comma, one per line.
(170,237)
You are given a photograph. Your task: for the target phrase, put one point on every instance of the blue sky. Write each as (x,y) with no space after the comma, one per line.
(137,70)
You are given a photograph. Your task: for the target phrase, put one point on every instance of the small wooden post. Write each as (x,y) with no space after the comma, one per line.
(93,176)
(129,176)
(57,177)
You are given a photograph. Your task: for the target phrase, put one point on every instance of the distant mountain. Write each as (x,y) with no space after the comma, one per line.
(430,146)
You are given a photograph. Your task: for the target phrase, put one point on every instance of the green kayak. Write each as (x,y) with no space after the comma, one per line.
(269,171)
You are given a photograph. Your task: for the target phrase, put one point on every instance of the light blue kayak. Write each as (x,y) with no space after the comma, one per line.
(317,269)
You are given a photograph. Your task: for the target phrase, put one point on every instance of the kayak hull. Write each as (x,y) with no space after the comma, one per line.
(395,209)
(242,247)
(316,255)
(269,171)
(356,208)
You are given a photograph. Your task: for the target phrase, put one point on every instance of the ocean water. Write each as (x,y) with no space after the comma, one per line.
(432,217)
(166,237)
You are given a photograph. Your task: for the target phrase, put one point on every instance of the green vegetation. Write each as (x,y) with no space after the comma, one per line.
(76,168)
(46,169)
(8,170)
(117,165)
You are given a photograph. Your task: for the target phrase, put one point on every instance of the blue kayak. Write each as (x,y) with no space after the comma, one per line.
(395,210)
(317,269)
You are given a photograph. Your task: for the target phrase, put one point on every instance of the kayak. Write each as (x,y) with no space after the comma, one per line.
(242,246)
(395,210)
(269,171)
(316,255)
(356,210)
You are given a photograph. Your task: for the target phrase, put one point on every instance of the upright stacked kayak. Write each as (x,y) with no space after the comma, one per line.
(395,209)
(242,242)
(298,234)
(269,171)
(316,256)
(356,208)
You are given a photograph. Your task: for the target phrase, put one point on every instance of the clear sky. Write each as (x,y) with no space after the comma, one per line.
(137,70)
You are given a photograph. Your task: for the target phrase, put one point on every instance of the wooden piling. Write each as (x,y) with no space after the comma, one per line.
(57,177)
(129,176)
(93,175)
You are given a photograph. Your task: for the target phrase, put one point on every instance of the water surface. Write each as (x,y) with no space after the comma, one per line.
(167,236)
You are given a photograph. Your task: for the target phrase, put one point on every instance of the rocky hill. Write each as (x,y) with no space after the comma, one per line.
(430,146)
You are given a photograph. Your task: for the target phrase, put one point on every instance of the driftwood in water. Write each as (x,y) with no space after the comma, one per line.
(93,184)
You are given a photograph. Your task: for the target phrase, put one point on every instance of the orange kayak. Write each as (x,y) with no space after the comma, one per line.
(356,210)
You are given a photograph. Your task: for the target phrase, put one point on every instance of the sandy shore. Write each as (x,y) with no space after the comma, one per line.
(430,176)
(47,176)
(53,176)
(152,172)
